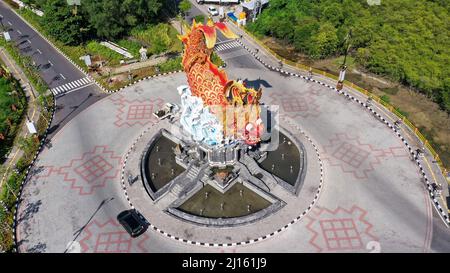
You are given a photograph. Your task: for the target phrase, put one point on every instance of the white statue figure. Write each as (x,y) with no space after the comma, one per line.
(197,119)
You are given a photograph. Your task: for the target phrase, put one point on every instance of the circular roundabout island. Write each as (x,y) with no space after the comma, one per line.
(198,181)
(181,186)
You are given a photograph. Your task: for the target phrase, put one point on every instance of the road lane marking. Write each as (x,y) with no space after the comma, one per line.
(71,86)
(76,89)
(62,76)
(227,45)
(37,49)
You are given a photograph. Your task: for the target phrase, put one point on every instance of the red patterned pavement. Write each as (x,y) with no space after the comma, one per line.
(135,112)
(294,104)
(110,237)
(90,171)
(340,229)
(355,157)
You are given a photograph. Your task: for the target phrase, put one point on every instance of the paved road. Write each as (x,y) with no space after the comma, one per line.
(54,68)
(238,57)
(201,10)
(373,198)
(441,235)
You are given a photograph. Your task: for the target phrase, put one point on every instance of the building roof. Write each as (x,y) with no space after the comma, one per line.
(250,4)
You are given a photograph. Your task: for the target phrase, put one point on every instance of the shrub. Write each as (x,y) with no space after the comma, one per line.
(170,65)
(385,98)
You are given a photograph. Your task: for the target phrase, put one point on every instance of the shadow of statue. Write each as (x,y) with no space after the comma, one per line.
(256,84)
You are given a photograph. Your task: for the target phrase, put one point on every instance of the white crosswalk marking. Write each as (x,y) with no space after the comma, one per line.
(71,86)
(226,45)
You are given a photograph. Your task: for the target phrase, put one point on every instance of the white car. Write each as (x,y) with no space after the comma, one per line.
(213,11)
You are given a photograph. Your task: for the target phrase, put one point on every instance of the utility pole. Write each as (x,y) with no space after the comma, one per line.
(347,46)
(1,22)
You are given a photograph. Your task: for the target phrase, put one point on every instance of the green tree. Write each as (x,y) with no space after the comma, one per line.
(184,6)
(61,23)
(325,41)
(303,34)
(406,40)
(112,18)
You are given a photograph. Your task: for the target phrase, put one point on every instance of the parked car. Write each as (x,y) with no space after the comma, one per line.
(132,222)
(213,11)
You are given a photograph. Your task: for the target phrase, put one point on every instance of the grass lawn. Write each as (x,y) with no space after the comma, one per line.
(159,38)
(132,46)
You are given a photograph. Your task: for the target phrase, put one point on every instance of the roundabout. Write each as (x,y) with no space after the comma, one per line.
(356,187)
(164,217)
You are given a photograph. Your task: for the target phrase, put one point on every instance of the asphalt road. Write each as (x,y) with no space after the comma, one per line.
(195,10)
(54,68)
(391,197)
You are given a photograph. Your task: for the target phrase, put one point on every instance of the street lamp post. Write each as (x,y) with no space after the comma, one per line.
(340,83)
(1,23)
(181,23)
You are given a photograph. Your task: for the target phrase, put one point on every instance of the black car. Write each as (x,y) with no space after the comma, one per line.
(132,222)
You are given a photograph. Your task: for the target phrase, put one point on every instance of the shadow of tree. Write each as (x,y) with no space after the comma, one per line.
(48,143)
(37,170)
(39,248)
(30,210)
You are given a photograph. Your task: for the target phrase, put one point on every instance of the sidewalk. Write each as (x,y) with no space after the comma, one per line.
(33,111)
(431,169)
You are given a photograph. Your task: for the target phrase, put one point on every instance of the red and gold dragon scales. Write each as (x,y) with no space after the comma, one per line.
(235,105)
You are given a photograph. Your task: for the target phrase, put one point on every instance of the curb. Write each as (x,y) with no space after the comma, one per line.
(19,195)
(438,207)
(146,78)
(154,76)
(259,239)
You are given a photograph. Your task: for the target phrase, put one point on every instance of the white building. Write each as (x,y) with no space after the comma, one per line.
(250,4)
(253,7)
